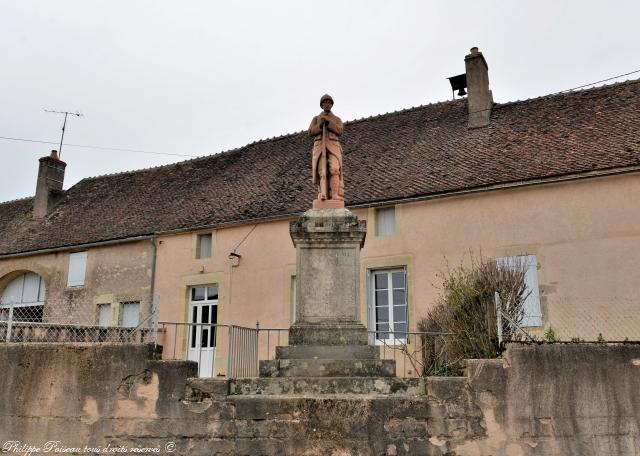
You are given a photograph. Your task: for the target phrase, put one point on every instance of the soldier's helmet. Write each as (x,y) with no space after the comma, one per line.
(326,97)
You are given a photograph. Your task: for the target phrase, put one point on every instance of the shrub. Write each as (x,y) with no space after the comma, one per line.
(466,308)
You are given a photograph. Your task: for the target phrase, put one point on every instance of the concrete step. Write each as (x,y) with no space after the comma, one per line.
(352,352)
(328,368)
(388,386)
(337,333)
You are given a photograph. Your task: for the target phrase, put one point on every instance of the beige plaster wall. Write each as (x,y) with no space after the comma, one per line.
(586,235)
(114,274)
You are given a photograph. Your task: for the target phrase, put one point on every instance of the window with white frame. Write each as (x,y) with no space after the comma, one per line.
(23,299)
(77,269)
(388,315)
(130,314)
(204,246)
(385,221)
(532,312)
(104,315)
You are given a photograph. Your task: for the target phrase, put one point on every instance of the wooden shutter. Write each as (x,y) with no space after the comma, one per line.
(77,269)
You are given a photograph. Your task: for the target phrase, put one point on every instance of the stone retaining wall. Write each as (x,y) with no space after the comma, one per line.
(581,400)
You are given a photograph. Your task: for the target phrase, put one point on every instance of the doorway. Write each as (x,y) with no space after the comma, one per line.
(203,317)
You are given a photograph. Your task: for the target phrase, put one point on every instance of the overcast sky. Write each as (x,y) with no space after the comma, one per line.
(199,77)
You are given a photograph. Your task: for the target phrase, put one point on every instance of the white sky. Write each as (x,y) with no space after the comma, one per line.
(199,77)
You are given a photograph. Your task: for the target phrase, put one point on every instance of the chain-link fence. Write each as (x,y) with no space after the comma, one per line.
(576,319)
(28,315)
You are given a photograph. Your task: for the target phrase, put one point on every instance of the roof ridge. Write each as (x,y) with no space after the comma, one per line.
(403,110)
(2,203)
(356,121)
(571,92)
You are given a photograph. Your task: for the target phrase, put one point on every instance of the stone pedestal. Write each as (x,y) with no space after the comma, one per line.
(327,338)
(328,243)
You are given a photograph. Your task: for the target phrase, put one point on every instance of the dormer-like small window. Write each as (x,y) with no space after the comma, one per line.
(385,221)
(204,246)
(77,269)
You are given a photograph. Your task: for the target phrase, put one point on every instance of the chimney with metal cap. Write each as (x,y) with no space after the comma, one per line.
(479,99)
(49,185)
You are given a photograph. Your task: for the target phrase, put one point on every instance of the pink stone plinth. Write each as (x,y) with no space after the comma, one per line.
(328,204)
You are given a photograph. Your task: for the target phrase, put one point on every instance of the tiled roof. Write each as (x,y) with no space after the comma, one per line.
(416,152)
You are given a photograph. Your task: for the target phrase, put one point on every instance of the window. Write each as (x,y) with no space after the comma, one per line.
(130,315)
(203,248)
(385,221)
(77,269)
(104,315)
(388,305)
(532,313)
(23,299)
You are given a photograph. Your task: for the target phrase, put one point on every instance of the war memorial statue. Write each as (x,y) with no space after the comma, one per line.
(327,338)
(326,162)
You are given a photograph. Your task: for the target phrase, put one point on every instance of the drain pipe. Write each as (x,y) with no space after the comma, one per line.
(154,256)
(152,287)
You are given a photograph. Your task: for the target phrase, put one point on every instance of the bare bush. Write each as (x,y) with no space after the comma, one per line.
(466,308)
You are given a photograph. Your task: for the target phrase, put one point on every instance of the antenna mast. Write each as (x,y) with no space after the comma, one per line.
(64,124)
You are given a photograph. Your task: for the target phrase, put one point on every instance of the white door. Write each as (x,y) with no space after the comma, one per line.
(203,316)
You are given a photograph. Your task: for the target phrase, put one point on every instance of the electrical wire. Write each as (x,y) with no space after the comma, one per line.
(97,147)
(116,149)
(560,92)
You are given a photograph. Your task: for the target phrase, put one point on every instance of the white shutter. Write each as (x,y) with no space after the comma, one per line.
(130,314)
(385,221)
(77,269)
(205,246)
(31,287)
(532,314)
(104,319)
(13,293)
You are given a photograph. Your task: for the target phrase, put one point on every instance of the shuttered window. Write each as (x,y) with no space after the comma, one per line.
(532,312)
(130,316)
(104,315)
(23,299)
(77,269)
(205,243)
(385,221)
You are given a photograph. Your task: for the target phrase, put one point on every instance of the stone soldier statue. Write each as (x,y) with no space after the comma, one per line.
(326,165)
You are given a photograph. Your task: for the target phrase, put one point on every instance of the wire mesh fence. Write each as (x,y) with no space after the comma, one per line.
(577,320)
(27,316)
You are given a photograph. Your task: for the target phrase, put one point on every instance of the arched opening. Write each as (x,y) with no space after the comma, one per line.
(23,299)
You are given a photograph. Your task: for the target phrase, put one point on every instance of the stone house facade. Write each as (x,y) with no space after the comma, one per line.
(553,181)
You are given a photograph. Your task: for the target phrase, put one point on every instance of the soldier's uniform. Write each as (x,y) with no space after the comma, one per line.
(334,152)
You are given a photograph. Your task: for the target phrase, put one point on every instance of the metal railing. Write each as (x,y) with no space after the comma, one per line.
(417,354)
(237,350)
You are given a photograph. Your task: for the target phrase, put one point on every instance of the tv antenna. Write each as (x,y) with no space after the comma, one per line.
(64,124)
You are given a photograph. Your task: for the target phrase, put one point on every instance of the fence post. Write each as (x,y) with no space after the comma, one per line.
(230,352)
(256,362)
(10,322)
(498,303)
(155,310)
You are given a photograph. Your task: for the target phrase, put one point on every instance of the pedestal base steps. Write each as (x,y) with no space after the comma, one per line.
(338,349)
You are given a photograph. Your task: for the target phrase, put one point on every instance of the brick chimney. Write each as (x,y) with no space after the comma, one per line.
(49,185)
(479,100)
